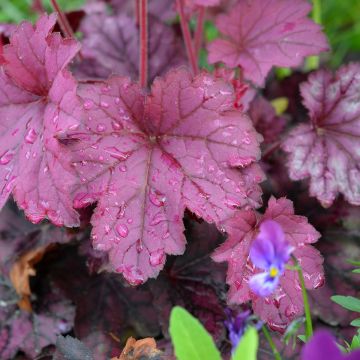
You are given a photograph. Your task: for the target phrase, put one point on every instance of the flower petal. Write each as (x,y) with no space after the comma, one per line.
(262,253)
(321,346)
(262,284)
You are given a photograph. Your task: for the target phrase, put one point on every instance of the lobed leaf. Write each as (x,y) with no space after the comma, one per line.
(260,34)
(285,304)
(147,158)
(37,104)
(326,150)
(111,46)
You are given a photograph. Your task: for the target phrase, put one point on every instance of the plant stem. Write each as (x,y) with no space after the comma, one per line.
(308,321)
(143,22)
(271,343)
(313,62)
(187,38)
(63,21)
(199,30)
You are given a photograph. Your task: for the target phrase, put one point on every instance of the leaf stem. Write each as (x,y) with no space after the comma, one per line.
(63,21)
(143,22)
(275,351)
(313,62)
(187,37)
(308,321)
(199,30)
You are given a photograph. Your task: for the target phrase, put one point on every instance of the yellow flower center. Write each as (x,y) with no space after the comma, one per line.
(273,272)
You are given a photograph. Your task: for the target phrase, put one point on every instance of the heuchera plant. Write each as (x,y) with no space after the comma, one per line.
(126,139)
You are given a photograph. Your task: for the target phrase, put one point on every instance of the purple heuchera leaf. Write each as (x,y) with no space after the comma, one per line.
(147,158)
(31,332)
(37,103)
(265,120)
(328,150)
(163,10)
(111,46)
(260,34)
(323,346)
(285,304)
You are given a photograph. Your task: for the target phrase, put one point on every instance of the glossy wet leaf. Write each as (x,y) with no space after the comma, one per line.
(260,34)
(145,158)
(285,304)
(38,103)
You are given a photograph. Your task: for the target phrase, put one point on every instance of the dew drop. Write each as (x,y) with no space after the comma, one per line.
(106,89)
(123,168)
(27,155)
(6,158)
(117,154)
(122,230)
(158,218)
(116,126)
(104,104)
(139,246)
(291,311)
(130,220)
(231,202)
(157,198)
(157,257)
(117,100)
(100,127)
(88,104)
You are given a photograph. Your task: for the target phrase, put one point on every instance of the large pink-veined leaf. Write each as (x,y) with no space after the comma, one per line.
(285,304)
(260,34)
(327,150)
(37,104)
(111,46)
(147,158)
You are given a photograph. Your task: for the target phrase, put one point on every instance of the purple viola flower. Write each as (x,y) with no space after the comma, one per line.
(236,324)
(270,252)
(323,346)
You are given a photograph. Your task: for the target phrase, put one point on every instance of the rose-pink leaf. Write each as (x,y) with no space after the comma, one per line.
(285,304)
(37,103)
(260,34)
(147,158)
(328,150)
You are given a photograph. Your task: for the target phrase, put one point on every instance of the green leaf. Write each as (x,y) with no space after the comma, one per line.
(356,271)
(292,330)
(248,346)
(302,338)
(355,343)
(190,339)
(353,262)
(355,322)
(348,302)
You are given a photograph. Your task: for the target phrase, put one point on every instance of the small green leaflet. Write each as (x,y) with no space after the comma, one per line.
(248,346)
(348,302)
(190,339)
(355,322)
